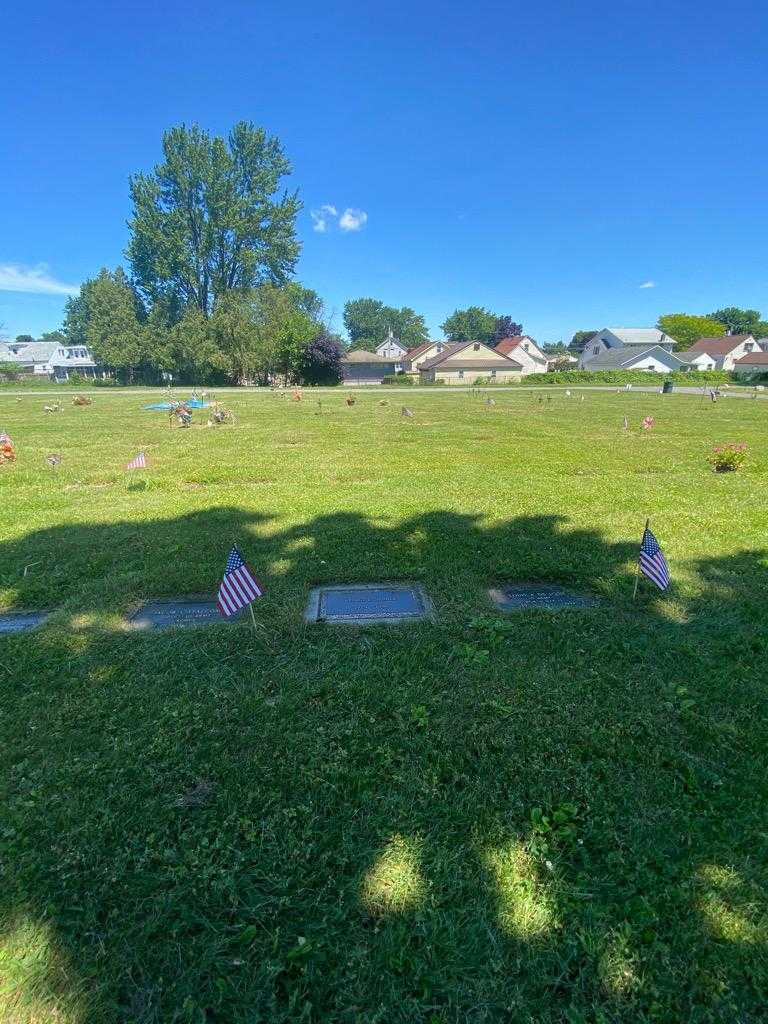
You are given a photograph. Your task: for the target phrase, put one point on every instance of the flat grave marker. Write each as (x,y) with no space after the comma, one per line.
(177,613)
(17,622)
(358,604)
(512,597)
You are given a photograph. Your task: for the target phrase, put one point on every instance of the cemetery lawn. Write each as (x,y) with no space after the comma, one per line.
(535,817)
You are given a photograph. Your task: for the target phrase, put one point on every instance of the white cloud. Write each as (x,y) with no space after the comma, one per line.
(36,280)
(648,284)
(352,220)
(320,217)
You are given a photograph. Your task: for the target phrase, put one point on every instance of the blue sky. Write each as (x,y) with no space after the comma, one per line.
(545,160)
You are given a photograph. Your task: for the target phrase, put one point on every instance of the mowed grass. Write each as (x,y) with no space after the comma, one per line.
(537,817)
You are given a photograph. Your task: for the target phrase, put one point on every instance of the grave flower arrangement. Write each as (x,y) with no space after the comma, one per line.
(727,458)
(648,423)
(7,453)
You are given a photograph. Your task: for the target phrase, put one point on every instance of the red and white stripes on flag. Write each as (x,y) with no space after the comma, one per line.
(239,586)
(140,462)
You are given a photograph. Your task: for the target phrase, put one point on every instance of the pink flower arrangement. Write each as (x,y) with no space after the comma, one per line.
(648,423)
(727,458)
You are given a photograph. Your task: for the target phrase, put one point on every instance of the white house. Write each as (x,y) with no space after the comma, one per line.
(725,350)
(623,337)
(655,359)
(525,351)
(54,359)
(391,347)
(698,360)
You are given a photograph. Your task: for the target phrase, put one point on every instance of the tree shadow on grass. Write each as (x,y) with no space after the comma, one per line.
(488,818)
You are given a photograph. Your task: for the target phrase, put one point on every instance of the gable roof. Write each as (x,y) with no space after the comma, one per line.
(361,355)
(720,346)
(447,360)
(638,335)
(37,351)
(507,345)
(617,357)
(754,357)
(414,353)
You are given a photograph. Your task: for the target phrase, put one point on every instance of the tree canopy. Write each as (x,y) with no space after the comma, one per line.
(741,321)
(107,316)
(471,324)
(368,322)
(207,221)
(686,328)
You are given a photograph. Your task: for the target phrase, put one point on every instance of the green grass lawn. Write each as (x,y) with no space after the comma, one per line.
(536,818)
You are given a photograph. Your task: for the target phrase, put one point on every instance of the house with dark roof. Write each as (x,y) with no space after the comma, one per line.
(725,350)
(525,351)
(752,363)
(467,362)
(416,357)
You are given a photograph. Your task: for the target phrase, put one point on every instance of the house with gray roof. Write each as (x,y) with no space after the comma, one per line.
(633,338)
(55,359)
(655,358)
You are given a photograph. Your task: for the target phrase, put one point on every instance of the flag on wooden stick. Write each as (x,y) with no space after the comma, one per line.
(239,586)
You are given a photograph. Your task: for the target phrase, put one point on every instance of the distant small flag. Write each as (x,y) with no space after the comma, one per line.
(239,586)
(648,423)
(626,423)
(405,411)
(53,459)
(140,462)
(5,439)
(653,564)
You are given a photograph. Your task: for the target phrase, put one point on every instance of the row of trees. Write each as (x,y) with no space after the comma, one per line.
(687,328)
(368,322)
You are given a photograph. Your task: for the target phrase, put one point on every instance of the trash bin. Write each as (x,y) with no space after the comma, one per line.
(667,388)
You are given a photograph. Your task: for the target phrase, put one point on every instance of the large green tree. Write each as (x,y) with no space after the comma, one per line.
(369,320)
(108,316)
(739,321)
(208,219)
(471,324)
(686,328)
(263,334)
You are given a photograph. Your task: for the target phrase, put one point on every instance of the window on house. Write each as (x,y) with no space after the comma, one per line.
(476,346)
(461,374)
(748,346)
(596,350)
(525,346)
(493,373)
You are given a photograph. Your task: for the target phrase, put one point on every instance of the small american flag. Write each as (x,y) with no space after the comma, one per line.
(140,462)
(653,564)
(239,586)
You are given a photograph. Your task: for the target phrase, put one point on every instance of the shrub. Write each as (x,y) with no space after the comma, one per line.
(692,378)
(727,458)
(397,378)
